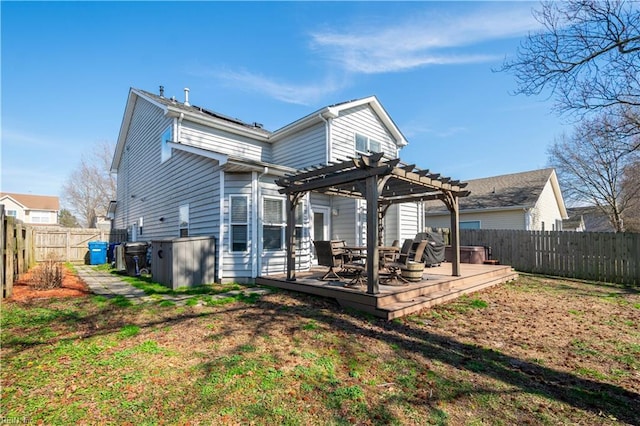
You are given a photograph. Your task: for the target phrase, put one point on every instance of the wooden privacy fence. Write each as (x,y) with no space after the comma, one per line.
(16,250)
(599,256)
(71,244)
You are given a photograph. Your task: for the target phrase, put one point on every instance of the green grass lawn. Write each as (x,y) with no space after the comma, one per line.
(535,351)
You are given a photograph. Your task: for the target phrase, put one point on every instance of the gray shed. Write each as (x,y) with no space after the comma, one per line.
(184,262)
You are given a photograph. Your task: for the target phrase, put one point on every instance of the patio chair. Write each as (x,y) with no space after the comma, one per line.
(329,254)
(401,264)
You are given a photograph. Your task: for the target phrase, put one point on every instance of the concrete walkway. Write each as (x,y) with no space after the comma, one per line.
(104,283)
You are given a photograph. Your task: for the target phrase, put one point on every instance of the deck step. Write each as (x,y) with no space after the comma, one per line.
(431,287)
(415,304)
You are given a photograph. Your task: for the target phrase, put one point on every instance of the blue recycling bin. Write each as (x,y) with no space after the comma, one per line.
(98,252)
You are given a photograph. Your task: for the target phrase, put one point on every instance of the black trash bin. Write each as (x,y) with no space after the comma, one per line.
(135,257)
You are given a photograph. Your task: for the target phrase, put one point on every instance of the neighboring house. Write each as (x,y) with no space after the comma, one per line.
(183,170)
(589,219)
(530,201)
(32,209)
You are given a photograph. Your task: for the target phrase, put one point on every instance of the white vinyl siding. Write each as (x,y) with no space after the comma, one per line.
(410,223)
(361,120)
(154,190)
(303,149)
(546,211)
(344,223)
(224,143)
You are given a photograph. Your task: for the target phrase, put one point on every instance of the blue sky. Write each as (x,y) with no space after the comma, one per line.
(67,68)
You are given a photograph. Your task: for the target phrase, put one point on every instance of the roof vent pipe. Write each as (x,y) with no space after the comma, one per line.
(186,97)
(162,91)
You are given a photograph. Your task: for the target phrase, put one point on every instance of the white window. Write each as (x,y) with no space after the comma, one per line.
(367,145)
(13,213)
(165,152)
(183,220)
(470,224)
(39,217)
(239,223)
(273,223)
(299,232)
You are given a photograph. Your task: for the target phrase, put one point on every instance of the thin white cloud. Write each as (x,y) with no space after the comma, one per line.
(436,39)
(420,130)
(300,94)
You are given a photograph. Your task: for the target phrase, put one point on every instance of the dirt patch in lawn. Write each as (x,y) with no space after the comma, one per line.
(72,286)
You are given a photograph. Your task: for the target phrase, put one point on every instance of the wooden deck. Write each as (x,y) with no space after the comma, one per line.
(393,301)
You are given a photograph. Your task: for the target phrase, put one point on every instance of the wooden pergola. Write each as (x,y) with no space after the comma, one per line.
(381,183)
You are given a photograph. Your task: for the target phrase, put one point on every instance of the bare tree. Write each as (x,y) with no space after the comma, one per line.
(591,164)
(631,189)
(587,56)
(90,187)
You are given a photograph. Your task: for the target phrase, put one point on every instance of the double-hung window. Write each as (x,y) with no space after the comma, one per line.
(239,223)
(366,145)
(273,223)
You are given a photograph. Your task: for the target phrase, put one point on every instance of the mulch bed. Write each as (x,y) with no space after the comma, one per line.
(72,286)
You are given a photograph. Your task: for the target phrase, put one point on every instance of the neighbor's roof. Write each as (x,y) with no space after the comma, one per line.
(34,202)
(595,220)
(517,190)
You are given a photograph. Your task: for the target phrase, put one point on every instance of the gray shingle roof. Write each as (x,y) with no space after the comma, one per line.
(173,103)
(594,219)
(517,189)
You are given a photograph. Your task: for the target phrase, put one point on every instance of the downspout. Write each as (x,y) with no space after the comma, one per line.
(327,122)
(221,234)
(179,126)
(527,219)
(256,260)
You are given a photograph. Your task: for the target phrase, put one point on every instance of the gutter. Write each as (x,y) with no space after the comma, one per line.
(478,210)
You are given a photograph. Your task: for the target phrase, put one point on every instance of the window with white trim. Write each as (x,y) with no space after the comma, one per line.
(238,223)
(273,223)
(13,213)
(470,224)
(366,145)
(183,220)
(299,232)
(165,148)
(39,218)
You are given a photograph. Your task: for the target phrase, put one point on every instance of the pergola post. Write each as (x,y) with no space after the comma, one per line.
(372,235)
(455,235)
(292,201)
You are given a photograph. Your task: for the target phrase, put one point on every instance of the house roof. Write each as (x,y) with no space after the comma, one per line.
(517,190)
(34,202)
(333,111)
(595,220)
(175,108)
